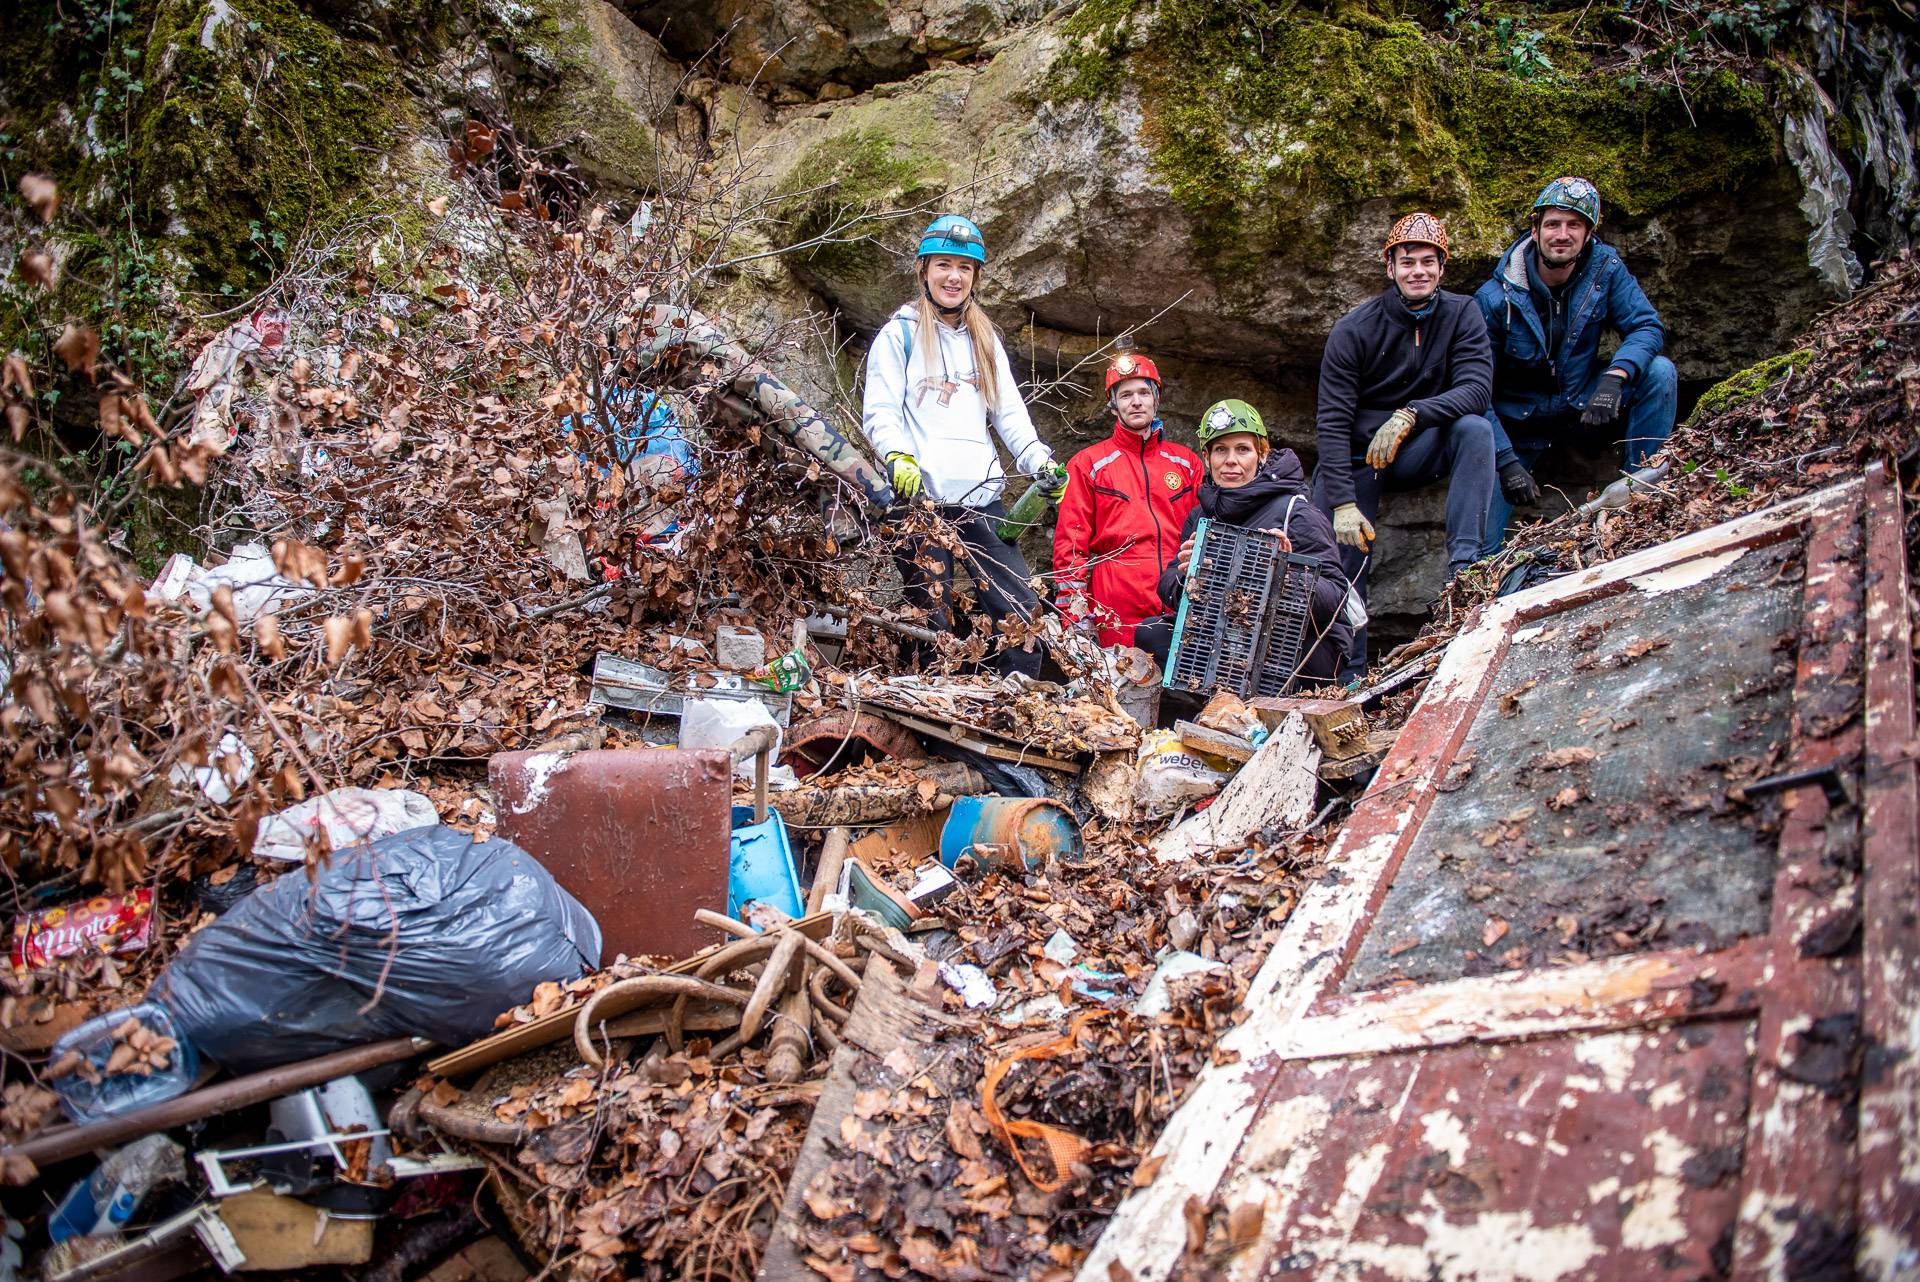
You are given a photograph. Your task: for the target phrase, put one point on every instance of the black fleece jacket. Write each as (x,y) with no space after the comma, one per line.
(1380,357)
(1261,504)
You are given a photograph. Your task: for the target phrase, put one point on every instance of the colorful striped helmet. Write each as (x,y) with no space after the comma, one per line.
(1224,418)
(1416,229)
(1575,195)
(954,235)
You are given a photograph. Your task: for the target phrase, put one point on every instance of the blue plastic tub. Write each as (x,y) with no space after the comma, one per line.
(760,868)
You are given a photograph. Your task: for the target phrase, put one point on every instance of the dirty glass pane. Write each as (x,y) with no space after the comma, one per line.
(1588,812)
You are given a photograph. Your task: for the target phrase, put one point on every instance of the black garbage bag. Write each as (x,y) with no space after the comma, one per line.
(424,933)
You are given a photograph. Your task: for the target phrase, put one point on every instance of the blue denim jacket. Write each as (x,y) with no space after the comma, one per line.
(1529,380)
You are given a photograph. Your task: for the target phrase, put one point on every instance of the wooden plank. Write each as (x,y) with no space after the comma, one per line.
(1214,743)
(1247,1117)
(1889,1142)
(976,741)
(1276,788)
(886,1020)
(1599,996)
(559,1025)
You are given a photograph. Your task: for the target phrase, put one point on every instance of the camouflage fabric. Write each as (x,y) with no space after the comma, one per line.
(668,336)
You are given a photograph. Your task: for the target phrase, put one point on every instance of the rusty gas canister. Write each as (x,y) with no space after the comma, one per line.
(1016,834)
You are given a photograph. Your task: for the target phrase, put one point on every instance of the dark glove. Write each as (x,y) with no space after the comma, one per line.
(1518,485)
(1604,405)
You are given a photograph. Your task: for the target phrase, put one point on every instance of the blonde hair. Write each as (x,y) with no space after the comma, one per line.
(979,329)
(1261,447)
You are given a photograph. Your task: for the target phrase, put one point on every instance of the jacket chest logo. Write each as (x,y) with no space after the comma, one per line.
(1172,480)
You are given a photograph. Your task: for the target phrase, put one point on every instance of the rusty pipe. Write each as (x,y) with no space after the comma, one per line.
(466,1126)
(72,1141)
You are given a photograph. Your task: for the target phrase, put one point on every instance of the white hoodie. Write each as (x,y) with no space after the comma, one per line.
(902,412)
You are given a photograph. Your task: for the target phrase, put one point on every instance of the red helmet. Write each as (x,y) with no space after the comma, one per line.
(1132,365)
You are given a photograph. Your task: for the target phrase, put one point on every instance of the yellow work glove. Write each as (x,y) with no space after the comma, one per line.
(1387,441)
(905,475)
(1352,528)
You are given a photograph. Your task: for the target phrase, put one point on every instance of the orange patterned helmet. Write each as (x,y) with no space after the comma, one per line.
(1416,229)
(1132,365)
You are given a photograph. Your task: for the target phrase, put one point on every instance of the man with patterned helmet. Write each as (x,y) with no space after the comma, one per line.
(1404,383)
(1125,501)
(1556,292)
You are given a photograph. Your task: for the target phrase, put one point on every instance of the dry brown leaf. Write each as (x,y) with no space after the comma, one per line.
(79,347)
(41,193)
(1494,931)
(36,268)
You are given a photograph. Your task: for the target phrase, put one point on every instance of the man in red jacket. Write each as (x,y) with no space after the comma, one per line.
(1120,518)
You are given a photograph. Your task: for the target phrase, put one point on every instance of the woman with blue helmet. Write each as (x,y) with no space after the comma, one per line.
(938,390)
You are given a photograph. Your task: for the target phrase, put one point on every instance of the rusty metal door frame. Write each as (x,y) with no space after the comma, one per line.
(1295,1012)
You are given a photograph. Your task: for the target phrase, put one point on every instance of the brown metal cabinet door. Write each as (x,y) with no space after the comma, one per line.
(1577,1000)
(639,836)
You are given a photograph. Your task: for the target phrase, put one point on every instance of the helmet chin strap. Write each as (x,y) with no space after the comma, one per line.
(950,313)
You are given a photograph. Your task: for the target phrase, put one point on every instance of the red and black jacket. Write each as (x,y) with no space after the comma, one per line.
(1119,526)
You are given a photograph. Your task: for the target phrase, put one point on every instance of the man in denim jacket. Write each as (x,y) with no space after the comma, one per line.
(1556,289)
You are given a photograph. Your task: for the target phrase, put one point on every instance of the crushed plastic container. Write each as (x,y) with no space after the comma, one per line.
(89,1093)
(104,1201)
(760,869)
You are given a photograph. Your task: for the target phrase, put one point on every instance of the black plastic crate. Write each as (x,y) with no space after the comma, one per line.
(1243,622)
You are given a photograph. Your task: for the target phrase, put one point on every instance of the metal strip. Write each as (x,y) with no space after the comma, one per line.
(1889,1142)
(1601,996)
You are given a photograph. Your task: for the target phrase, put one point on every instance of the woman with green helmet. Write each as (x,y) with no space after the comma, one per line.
(938,390)
(1256,487)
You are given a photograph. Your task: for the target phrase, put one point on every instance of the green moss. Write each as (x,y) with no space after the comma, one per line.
(569,99)
(1748,383)
(848,175)
(251,131)
(1270,124)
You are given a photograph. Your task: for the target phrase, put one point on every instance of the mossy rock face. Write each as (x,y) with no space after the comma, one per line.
(259,122)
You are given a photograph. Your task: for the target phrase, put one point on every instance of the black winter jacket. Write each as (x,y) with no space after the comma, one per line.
(1262,504)
(1380,357)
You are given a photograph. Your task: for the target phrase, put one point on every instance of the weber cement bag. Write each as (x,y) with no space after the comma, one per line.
(425,933)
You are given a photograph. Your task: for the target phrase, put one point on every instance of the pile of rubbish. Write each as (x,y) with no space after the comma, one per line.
(542,840)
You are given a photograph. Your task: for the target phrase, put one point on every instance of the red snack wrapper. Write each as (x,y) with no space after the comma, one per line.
(111,923)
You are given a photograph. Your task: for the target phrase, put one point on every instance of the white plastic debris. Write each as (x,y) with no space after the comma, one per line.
(349,817)
(1061,948)
(228,767)
(1175,965)
(975,989)
(719,723)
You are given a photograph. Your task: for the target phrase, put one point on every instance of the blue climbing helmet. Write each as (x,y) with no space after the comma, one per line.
(954,235)
(1576,195)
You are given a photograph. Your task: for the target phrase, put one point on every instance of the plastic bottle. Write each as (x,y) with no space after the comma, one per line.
(107,1199)
(1027,511)
(88,1092)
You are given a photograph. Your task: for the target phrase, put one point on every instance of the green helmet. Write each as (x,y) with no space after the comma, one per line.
(1575,195)
(1224,418)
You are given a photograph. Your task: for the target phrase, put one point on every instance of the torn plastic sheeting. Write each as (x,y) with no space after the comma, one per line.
(258,586)
(229,767)
(1176,965)
(971,983)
